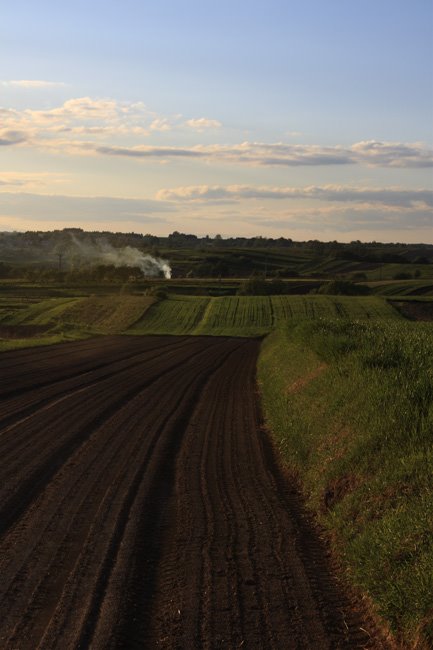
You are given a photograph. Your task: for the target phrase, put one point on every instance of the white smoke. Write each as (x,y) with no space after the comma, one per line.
(103,253)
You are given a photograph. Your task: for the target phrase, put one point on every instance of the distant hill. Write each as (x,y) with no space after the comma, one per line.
(94,255)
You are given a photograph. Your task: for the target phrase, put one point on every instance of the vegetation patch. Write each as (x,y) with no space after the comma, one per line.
(107,314)
(252,315)
(344,288)
(358,430)
(42,312)
(179,315)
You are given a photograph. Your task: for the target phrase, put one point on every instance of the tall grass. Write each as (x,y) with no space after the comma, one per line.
(351,406)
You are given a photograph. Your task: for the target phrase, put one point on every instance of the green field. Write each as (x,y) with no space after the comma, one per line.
(177,315)
(180,314)
(402,288)
(252,315)
(24,323)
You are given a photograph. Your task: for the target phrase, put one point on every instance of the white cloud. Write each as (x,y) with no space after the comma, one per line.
(161,124)
(33,83)
(202,123)
(96,118)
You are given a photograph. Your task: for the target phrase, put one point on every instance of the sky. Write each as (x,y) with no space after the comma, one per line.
(308,120)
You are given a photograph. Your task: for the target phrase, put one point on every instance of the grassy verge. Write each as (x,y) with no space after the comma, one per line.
(351,407)
(16,344)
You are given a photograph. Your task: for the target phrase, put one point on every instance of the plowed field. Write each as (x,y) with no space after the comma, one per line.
(141,506)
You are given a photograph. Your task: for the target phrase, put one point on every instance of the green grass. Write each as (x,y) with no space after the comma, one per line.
(350,404)
(16,344)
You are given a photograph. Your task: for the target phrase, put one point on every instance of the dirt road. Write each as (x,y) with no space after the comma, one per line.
(141,506)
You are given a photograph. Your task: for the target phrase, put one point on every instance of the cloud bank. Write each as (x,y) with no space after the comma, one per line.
(372,154)
(95,117)
(71,209)
(339,193)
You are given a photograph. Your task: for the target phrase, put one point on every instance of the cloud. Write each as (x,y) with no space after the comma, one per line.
(33,83)
(96,118)
(339,193)
(202,123)
(283,155)
(36,207)
(107,127)
(161,124)
(81,108)
(147,152)
(9,137)
(392,154)
(31,181)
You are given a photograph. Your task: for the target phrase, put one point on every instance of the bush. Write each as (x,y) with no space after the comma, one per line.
(344,288)
(402,276)
(157,292)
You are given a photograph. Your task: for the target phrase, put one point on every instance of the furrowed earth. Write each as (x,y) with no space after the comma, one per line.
(142,506)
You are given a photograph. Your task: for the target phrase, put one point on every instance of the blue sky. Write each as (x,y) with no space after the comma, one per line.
(308,120)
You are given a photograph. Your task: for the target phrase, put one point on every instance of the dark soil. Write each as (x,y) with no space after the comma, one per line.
(414,310)
(22,331)
(141,506)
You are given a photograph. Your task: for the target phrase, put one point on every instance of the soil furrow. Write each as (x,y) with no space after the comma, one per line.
(14,411)
(24,381)
(125,479)
(47,443)
(142,506)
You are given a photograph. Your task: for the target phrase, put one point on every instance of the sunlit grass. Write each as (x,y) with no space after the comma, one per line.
(351,406)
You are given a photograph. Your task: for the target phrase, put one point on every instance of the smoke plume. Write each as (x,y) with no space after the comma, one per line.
(104,253)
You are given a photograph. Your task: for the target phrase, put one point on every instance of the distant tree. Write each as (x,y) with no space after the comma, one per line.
(343,288)
(358,276)
(402,276)
(5,270)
